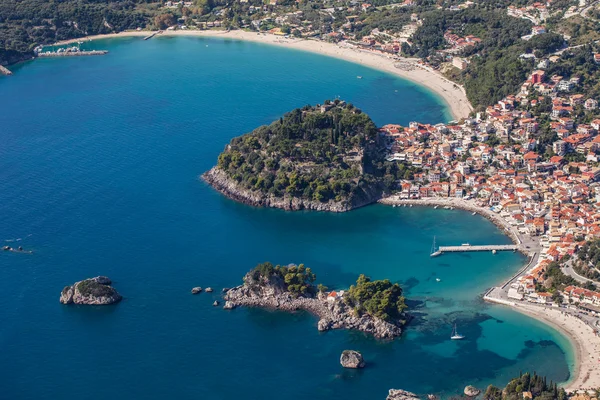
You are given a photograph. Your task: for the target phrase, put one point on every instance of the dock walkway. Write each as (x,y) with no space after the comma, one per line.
(468,248)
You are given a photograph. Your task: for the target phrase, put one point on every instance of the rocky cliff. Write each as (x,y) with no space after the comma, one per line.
(220,181)
(93,291)
(333,314)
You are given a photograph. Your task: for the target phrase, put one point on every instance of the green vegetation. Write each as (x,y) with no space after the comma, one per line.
(535,385)
(27,23)
(579,62)
(588,260)
(298,280)
(90,287)
(495,70)
(380,299)
(555,281)
(323,153)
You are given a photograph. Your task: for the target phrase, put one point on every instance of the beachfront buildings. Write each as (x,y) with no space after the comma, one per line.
(497,159)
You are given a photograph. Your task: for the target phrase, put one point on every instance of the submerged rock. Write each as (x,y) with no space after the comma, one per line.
(196,290)
(472,391)
(398,394)
(352,359)
(93,291)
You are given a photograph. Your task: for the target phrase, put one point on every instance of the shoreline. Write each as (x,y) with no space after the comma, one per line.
(586,347)
(579,334)
(461,204)
(451,94)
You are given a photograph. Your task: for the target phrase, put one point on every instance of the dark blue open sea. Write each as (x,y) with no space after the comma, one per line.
(99,166)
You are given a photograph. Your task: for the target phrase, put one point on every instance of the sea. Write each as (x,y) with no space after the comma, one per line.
(100,159)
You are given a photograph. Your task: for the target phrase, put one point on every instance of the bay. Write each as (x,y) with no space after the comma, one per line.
(99,166)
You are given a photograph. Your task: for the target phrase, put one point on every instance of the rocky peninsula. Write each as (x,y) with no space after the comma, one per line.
(326,157)
(93,291)
(290,288)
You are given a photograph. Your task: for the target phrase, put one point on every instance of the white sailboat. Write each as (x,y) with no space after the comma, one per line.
(434,251)
(456,335)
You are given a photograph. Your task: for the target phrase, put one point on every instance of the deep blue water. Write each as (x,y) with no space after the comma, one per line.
(99,165)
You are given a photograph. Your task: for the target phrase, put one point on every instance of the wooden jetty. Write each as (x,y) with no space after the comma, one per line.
(152,35)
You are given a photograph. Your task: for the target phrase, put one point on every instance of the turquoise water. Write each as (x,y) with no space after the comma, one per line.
(99,165)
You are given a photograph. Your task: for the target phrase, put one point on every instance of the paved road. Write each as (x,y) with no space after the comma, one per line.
(587,9)
(568,270)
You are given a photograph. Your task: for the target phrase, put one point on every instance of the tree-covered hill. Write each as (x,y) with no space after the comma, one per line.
(27,23)
(328,155)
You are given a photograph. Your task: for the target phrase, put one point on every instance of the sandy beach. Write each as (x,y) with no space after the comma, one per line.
(452,94)
(585,342)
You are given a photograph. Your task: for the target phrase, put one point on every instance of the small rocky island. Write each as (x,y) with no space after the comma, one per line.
(326,157)
(94,291)
(373,307)
(352,359)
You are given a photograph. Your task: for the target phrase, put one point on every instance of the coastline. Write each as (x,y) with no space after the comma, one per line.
(585,343)
(501,223)
(586,374)
(222,183)
(583,340)
(453,95)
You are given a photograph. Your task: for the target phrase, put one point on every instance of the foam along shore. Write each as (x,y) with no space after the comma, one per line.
(586,343)
(453,95)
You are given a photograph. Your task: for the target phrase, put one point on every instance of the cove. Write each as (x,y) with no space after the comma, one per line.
(99,166)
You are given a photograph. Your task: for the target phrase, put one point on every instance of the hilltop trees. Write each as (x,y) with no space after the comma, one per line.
(322,153)
(533,385)
(381,299)
(298,279)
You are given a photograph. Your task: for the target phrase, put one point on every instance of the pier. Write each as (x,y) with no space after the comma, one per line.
(469,248)
(152,35)
(72,53)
